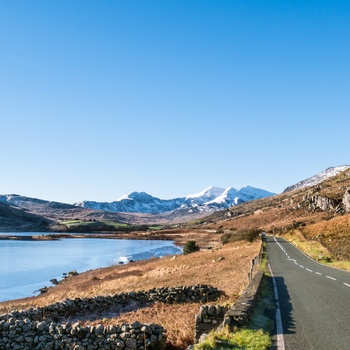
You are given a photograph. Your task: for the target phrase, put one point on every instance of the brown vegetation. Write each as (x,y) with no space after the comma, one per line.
(283,213)
(225,267)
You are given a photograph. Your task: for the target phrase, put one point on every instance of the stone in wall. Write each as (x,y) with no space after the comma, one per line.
(39,328)
(239,314)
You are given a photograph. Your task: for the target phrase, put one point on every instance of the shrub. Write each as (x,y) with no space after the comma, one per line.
(249,235)
(190,247)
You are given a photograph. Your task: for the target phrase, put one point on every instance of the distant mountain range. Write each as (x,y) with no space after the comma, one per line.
(24,213)
(211,199)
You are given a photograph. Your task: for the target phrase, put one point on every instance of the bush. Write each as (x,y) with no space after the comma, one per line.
(190,247)
(249,235)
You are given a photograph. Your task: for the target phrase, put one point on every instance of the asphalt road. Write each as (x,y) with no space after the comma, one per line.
(314,299)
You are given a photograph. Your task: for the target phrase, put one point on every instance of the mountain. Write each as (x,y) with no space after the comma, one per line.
(33,204)
(318,178)
(141,208)
(135,202)
(206,195)
(16,219)
(231,196)
(56,211)
(318,210)
(209,200)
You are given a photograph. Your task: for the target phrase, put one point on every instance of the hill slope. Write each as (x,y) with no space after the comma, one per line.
(320,213)
(20,220)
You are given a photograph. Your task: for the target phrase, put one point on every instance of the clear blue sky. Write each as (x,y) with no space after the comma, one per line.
(102,98)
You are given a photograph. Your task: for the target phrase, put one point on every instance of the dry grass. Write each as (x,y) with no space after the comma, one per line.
(313,249)
(225,267)
(333,234)
(178,320)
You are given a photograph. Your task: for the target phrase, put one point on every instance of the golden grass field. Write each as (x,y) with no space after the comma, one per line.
(224,266)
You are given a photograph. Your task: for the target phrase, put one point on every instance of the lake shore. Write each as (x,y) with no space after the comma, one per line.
(29,263)
(225,267)
(204,238)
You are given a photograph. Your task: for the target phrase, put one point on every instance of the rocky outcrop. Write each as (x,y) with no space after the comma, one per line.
(346,200)
(323,203)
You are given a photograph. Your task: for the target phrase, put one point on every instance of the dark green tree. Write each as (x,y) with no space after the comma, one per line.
(190,247)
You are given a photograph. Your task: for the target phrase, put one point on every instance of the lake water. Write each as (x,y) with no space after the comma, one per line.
(26,266)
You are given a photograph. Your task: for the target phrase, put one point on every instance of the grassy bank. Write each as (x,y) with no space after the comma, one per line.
(225,267)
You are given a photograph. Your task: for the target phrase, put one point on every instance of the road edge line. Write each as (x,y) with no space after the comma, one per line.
(309,257)
(279,327)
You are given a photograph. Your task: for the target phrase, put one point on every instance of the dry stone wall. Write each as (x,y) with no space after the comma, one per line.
(26,334)
(39,328)
(213,317)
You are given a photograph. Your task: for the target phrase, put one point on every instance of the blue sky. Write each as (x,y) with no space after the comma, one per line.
(102,98)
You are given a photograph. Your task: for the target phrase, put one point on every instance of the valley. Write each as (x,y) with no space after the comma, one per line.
(314,215)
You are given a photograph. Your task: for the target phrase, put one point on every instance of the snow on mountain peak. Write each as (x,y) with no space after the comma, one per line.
(229,195)
(124,196)
(207,194)
(322,176)
(210,199)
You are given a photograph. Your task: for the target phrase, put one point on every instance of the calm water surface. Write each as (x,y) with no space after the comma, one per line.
(26,266)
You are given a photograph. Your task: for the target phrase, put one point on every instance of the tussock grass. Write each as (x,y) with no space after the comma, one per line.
(225,267)
(178,320)
(315,250)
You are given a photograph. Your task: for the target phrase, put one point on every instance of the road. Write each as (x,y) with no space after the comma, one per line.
(314,299)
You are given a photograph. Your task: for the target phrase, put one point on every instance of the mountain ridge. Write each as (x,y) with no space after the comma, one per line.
(156,211)
(141,202)
(319,177)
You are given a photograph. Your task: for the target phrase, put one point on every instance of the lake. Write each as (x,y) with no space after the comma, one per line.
(26,266)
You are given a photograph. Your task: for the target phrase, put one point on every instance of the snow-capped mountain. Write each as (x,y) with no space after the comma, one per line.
(206,195)
(211,199)
(316,179)
(231,196)
(135,202)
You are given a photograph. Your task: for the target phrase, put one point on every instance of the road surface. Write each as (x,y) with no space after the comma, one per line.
(314,299)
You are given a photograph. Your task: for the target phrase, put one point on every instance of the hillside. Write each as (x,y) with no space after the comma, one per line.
(320,213)
(21,220)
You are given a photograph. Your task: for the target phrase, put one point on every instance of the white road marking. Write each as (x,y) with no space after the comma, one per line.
(295,262)
(279,327)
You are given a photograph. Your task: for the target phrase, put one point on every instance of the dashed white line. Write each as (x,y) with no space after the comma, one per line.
(295,262)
